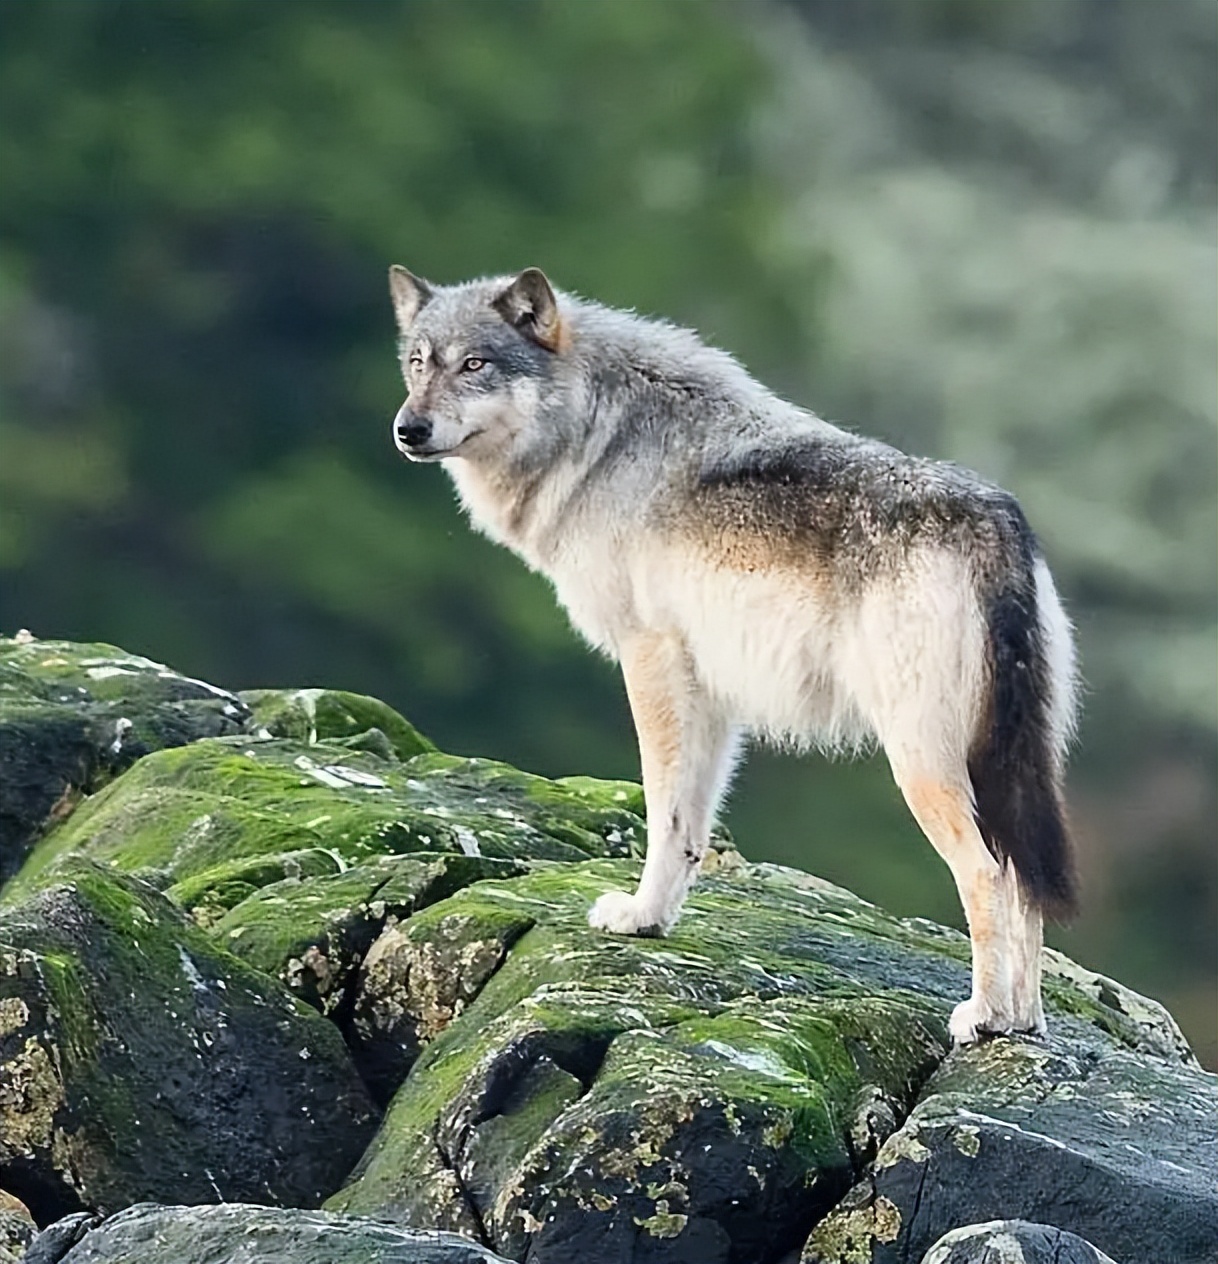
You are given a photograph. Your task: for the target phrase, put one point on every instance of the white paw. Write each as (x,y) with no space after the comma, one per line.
(974,1020)
(622,914)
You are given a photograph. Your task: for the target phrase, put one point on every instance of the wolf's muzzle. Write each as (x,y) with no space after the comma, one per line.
(410,431)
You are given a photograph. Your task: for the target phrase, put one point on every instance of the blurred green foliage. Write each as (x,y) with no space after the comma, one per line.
(981,228)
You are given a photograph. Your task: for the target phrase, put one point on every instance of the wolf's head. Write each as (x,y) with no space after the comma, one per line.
(477,359)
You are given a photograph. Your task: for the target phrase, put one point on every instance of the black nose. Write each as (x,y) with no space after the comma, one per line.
(411,429)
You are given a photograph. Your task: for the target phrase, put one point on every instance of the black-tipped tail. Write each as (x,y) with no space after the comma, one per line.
(1016,782)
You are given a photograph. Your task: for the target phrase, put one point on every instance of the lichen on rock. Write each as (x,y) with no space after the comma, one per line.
(217,966)
(139,1061)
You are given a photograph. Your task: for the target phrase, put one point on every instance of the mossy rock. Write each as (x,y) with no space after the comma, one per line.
(312,931)
(1078,1133)
(138,1061)
(706,1097)
(260,1235)
(333,715)
(216,806)
(17,1229)
(702,1097)
(73,716)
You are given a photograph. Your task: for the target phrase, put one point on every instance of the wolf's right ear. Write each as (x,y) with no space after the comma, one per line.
(529,304)
(410,295)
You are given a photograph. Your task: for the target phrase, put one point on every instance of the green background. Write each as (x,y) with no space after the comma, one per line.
(982,229)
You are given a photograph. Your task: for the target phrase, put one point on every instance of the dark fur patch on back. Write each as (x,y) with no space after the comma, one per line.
(1015,781)
(857,506)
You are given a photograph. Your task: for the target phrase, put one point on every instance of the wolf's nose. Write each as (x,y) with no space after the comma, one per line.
(410,429)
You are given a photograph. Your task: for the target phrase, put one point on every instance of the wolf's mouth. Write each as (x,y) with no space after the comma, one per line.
(422,456)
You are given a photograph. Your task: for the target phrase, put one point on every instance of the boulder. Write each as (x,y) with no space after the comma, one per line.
(1012,1242)
(139,1061)
(73,716)
(312,932)
(218,820)
(713,1095)
(1109,1144)
(702,1097)
(17,1228)
(237,1234)
(184,955)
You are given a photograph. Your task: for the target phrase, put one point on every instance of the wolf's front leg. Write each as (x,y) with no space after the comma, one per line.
(687,749)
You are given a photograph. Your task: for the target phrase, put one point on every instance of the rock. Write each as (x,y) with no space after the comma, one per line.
(217,820)
(17,1228)
(332,715)
(1013,1242)
(57,1239)
(698,1098)
(139,1061)
(707,1097)
(236,1234)
(772,1078)
(73,716)
(312,932)
(1077,1133)
(415,980)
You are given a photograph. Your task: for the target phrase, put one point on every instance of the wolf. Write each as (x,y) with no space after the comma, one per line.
(756,570)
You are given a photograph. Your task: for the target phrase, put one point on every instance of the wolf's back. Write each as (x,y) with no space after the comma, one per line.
(1016,764)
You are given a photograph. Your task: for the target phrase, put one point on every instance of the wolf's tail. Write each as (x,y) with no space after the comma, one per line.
(1016,764)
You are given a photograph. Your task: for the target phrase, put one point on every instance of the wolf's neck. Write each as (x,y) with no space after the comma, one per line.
(521,511)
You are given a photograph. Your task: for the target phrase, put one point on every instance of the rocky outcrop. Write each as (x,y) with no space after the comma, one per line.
(139,1061)
(712,1096)
(252,942)
(251,1235)
(74,716)
(1075,1132)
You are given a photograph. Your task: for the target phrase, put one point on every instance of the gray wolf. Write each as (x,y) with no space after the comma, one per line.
(756,570)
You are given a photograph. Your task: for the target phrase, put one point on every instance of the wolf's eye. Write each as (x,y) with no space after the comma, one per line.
(416,362)
(472,364)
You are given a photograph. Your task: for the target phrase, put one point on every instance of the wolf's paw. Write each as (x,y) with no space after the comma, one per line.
(976,1019)
(622,914)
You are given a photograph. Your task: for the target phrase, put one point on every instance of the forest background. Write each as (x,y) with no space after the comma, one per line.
(981,229)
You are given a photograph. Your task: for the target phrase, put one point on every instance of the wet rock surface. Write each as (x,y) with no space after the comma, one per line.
(369,923)
(74,716)
(137,1061)
(1077,1133)
(1013,1242)
(238,1234)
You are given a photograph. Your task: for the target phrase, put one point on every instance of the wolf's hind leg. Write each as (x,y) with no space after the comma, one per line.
(687,749)
(1029,940)
(943,807)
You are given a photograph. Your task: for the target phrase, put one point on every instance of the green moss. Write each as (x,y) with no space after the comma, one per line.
(167,1053)
(181,813)
(730,1020)
(311,933)
(324,715)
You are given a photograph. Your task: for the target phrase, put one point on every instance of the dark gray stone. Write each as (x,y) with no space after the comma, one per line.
(236,1234)
(1114,1146)
(1013,1242)
(138,1061)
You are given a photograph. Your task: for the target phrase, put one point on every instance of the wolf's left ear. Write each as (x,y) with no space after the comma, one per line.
(529,304)
(410,295)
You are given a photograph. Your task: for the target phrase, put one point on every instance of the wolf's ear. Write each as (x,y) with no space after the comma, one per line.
(410,295)
(530,305)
